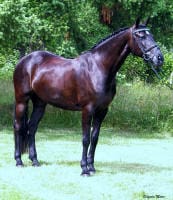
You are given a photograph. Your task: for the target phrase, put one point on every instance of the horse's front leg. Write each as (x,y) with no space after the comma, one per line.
(97,120)
(86,126)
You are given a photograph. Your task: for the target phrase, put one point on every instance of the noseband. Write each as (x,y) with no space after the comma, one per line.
(145,55)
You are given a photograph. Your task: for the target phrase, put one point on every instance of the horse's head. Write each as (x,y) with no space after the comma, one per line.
(142,44)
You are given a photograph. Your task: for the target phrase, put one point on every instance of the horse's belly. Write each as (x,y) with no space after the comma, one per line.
(66,106)
(65,98)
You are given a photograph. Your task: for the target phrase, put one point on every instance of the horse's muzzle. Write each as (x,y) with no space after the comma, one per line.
(156,57)
(158,60)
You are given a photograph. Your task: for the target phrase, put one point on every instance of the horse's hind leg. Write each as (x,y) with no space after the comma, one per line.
(97,120)
(20,129)
(37,114)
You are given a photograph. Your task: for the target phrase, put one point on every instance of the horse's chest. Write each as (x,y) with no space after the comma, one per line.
(106,98)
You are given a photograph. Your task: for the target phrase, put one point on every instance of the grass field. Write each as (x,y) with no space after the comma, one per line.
(129,167)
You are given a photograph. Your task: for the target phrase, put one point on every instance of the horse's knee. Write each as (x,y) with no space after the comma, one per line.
(17,126)
(94,138)
(20,107)
(19,110)
(86,141)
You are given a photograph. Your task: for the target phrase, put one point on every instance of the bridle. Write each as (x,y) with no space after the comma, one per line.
(145,55)
(145,52)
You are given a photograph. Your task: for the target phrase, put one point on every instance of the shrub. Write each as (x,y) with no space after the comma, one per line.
(167,67)
(134,67)
(140,106)
(7,64)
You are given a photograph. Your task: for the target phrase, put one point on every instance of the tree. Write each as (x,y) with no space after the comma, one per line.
(126,11)
(70,27)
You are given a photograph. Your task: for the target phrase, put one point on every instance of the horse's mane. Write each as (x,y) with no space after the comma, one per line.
(109,37)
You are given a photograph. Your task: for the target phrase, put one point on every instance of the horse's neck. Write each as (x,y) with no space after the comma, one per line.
(120,60)
(113,52)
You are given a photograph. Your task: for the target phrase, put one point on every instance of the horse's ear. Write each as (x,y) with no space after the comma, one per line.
(147,21)
(137,22)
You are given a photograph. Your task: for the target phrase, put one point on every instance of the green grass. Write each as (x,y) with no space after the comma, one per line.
(128,167)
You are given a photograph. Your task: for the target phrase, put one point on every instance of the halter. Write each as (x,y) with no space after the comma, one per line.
(145,55)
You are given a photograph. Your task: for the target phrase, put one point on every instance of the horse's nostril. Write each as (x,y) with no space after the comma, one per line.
(160,58)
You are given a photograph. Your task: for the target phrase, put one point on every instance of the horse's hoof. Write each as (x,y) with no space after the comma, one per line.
(92,172)
(19,164)
(85,174)
(35,163)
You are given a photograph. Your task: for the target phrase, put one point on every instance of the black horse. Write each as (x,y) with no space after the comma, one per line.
(85,83)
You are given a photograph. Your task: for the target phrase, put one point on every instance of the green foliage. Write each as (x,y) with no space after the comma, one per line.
(40,24)
(67,27)
(28,22)
(134,67)
(15,25)
(88,26)
(70,27)
(125,13)
(67,49)
(167,67)
(7,64)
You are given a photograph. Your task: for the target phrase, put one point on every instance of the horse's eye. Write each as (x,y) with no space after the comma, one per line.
(140,34)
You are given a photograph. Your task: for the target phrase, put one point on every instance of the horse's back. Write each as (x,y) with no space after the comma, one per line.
(36,58)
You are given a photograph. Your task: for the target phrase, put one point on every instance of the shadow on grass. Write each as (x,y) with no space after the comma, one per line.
(75,133)
(113,167)
(67,163)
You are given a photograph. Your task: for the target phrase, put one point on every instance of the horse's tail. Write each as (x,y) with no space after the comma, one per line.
(24,132)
